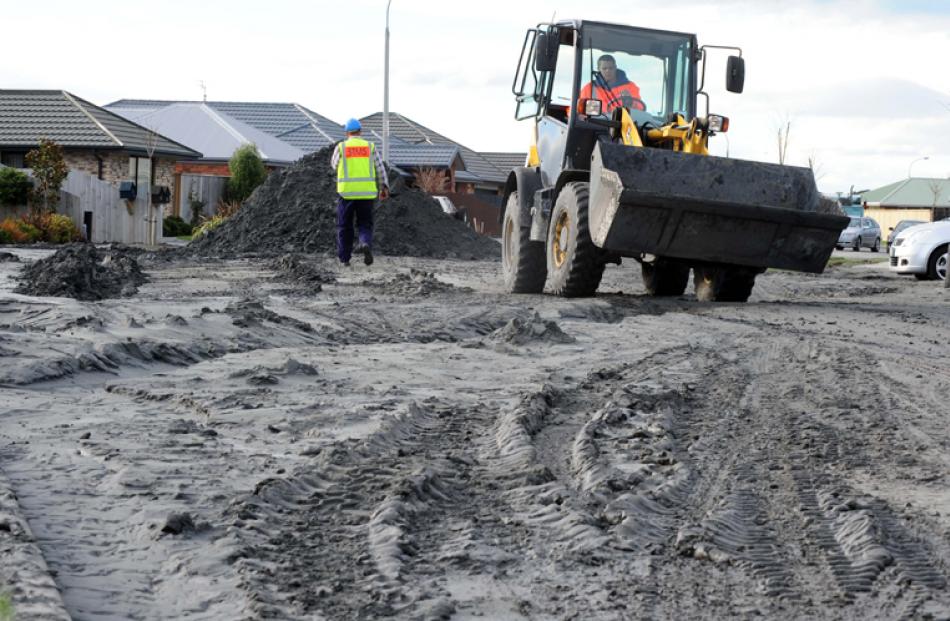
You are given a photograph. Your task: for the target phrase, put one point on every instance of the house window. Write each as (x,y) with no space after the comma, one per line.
(140,170)
(13,159)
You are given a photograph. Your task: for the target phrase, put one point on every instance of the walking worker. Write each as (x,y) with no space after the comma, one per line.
(360,179)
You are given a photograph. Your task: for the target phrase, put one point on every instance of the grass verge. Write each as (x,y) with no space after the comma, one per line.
(6,607)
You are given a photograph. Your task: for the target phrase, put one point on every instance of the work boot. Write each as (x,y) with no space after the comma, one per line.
(367,253)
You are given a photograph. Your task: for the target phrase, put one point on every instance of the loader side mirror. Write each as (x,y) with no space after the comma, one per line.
(735,74)
(545,56)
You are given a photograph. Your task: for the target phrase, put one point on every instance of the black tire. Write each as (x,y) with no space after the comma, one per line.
(857,245)
(937,264)
(877,245)
(522,260)
(921,276)
(575,264)
(664,277)
(839,247)
(723,283)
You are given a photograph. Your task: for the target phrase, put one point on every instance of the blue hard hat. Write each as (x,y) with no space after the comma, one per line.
(353,125)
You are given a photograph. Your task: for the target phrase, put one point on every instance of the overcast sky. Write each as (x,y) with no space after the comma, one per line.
(864,83)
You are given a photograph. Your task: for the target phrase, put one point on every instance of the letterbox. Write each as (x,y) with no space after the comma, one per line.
(127,190)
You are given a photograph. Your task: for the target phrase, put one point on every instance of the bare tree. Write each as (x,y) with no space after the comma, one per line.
(783,132)
(151,144)
(817,168)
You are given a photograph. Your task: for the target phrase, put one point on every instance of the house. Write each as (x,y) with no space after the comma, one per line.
(101,149)
(213,132)
(909,199)
(412,146)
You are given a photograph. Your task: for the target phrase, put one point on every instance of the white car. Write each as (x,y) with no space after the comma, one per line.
(922,251)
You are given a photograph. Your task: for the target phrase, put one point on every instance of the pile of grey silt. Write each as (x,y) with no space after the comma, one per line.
(83,272)
(294,211)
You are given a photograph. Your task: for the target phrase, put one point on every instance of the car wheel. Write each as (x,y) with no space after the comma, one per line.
(839,247)
(857,245)
(921,277)
(877,245)
(937,265)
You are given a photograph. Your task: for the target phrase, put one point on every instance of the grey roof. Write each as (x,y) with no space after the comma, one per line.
(422,156)
(412,132)
(505,161)
(212,132)
(26,116)
(276,119)
(915,192)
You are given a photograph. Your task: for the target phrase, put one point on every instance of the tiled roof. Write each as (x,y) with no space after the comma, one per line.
(26,116)
(916,192)
(410,131)
(422,156)
(505,161)
(213,133)
(276,119)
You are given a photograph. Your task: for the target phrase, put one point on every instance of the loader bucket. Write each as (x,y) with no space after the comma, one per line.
(708,209)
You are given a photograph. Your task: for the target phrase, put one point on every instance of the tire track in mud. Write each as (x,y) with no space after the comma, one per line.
(356,537)
(857,538)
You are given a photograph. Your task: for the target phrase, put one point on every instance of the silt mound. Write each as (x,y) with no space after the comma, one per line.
(83,272)
(294,210)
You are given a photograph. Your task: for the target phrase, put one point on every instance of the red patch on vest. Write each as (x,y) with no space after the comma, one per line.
(356,152)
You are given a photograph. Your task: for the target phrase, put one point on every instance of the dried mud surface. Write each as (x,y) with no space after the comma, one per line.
(287,439)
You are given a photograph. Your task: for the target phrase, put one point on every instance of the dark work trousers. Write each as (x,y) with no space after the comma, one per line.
(346,211)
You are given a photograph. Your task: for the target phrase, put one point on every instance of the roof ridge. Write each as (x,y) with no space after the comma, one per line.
(900,186)
(98,123)
(217,118)
(313,121)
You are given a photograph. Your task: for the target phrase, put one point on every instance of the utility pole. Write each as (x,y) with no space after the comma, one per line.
(386,91)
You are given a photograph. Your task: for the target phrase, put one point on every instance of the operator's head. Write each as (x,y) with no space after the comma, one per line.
(608,67)
(353,127)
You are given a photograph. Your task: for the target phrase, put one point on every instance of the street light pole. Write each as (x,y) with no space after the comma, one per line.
(926,157)
(386,91)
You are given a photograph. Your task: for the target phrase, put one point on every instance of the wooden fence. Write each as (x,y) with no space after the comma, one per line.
(95,207)
(205,188)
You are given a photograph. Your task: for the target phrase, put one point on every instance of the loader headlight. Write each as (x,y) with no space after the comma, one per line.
(718,123)
(593,107)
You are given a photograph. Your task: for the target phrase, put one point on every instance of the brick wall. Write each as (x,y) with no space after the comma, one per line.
(115,166)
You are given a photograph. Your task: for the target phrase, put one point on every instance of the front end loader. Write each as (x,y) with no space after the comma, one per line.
(620,167)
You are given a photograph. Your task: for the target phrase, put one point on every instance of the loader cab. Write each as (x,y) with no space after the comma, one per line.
(560,62)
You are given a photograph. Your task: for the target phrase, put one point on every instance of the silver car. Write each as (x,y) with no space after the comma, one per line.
(861,232)
(921,250)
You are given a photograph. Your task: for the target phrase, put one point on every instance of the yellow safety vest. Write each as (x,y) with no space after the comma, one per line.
(356,171)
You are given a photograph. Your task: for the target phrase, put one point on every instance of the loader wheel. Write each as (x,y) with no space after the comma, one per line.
(664,277)
(575,264)
(522,260)
(723,283)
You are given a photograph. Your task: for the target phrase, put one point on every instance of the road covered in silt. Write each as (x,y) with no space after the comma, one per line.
(283,438)
(244,429)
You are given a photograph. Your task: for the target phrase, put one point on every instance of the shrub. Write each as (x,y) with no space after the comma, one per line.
(49,172)
(19,231)
(209,225)
(173,226)
(197,205)
(59,229)
(15,187)
(247,172)
(226,209)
